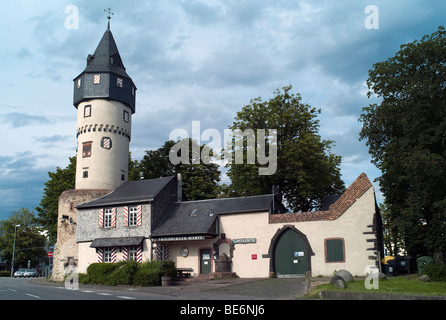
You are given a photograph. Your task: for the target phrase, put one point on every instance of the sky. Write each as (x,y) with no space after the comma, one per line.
(192,61)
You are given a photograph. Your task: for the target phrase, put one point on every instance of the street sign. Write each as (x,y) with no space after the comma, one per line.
(50,254)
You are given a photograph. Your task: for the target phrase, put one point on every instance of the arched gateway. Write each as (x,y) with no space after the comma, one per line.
(291,252)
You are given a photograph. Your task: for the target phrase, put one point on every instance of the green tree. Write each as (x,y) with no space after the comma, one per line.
(30,241)
(306,170)
(60,181)
(200,180)
(405,134)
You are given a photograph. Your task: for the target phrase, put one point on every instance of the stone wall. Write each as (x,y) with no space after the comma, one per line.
(66,249)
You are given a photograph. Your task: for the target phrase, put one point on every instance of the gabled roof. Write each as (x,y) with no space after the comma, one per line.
(354,192)
(130,192)
(197,217)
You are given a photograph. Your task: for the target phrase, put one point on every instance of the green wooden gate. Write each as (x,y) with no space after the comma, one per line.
(290,254)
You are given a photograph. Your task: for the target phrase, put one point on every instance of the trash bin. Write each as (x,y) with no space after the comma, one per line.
(422,263)
(389,268)
(403,264)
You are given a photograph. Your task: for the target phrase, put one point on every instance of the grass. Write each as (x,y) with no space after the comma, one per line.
(407,284)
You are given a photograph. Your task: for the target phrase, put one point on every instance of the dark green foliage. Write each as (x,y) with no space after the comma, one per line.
(405,134)
(5,273)
(128,273)
(436,271)
(306,169)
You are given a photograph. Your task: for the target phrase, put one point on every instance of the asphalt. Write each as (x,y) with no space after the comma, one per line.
(217,289)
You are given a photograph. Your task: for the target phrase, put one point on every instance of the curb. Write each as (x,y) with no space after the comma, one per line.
(336,295)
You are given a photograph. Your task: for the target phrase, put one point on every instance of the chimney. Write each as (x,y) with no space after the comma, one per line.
(179,187)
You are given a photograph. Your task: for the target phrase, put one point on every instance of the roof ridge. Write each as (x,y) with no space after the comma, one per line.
(229,198)
(345,201)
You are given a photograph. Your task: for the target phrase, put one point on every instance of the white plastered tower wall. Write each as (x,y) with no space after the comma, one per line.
(106,127)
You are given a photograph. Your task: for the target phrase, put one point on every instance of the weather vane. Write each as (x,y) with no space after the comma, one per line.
(110,13)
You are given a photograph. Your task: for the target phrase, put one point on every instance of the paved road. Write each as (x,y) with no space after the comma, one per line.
(25,289)
(224,289)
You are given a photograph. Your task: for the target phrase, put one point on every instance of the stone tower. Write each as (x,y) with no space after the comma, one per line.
(104,96)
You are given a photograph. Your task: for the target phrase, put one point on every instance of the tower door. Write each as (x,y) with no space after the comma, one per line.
(290,254)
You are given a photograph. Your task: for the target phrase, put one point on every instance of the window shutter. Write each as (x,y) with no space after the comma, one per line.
(101,218)
(335,250)
(113,255)
(139,216)
(113,220)
(126,216)
(100,252)
(139,253)
(125,253)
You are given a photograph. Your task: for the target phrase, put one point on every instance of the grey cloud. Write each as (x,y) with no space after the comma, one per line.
(17,119)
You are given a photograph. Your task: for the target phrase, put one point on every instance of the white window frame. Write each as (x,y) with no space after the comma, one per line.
(133,216)
(107,257)
(133,252)
(108,213)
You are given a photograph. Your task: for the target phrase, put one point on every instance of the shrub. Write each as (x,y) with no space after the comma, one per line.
(147,277)
(436,271)
(98,273)
(123,274)
(5,273)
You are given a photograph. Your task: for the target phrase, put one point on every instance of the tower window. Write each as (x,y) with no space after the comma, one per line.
(85,174)
(87,111)
(86,149)
(126,116)
(106,143)
(79,82)
(119,83)
(97,79)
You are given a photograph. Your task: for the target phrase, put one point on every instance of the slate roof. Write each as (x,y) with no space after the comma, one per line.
(100,61)
(116,242)
(354,192)
(130,192)
(198,217)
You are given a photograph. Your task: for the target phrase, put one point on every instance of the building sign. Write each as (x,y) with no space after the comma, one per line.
(244,241)
(181,238)
(299,253)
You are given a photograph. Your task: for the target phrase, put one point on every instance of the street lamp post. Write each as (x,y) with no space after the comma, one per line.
(13,249)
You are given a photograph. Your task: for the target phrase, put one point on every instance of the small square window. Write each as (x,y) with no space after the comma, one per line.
(97,79)
(87,111)
(119,83)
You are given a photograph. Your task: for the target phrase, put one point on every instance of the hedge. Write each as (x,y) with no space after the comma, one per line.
(5,273)
(128,273)
(436,271)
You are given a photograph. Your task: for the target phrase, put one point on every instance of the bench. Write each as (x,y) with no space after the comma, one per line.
(184,272)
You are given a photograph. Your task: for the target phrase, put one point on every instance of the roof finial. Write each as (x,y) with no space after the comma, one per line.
(110,13)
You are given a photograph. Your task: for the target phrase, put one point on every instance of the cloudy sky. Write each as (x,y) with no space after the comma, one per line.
(191,61)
